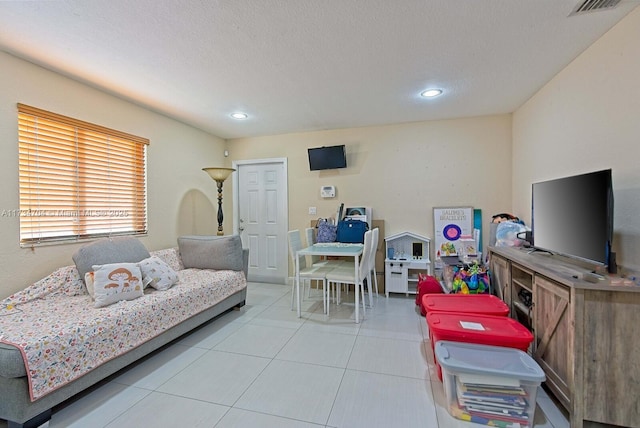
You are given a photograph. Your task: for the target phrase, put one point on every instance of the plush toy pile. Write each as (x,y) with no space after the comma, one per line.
(470,279)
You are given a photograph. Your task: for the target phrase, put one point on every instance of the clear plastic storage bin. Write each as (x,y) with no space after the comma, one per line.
(489,385)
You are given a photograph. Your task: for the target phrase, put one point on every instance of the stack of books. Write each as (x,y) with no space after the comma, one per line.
(501,405)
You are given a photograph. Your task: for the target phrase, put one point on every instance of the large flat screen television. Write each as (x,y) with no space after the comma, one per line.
(573,216)
(331,157)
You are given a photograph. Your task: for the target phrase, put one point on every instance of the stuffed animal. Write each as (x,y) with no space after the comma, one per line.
(470,280)
(499,218)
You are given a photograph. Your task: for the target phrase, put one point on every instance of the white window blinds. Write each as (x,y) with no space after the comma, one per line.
(78,180)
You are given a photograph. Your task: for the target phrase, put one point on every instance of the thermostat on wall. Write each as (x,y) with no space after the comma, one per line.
(328,191)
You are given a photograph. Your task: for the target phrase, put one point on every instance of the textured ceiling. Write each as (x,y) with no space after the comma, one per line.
(306,65)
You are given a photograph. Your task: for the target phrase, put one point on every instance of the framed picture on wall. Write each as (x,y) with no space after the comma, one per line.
(450,223)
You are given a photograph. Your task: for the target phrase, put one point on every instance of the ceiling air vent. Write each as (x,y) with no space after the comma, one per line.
(593,5)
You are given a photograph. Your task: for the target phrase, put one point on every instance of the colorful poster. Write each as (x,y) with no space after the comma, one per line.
(449,225)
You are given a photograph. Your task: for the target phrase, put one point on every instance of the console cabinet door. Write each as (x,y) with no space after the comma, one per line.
(501,279)
(611,348)
(553,335)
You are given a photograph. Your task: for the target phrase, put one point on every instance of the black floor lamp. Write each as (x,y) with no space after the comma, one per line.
(219,175)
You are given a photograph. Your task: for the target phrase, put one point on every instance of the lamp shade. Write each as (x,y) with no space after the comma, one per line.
(219,174)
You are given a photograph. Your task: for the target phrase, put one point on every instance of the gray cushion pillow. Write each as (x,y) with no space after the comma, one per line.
(109,250)
(211,252)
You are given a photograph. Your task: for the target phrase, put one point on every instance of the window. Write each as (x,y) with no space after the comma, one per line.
(78,180)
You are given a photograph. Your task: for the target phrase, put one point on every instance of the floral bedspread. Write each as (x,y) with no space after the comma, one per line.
(62,336)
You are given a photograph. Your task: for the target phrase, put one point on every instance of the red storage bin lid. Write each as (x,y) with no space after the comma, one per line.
(484,304)
(481,329)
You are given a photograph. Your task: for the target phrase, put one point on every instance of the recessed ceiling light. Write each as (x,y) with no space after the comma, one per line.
(430,93)
(239,115)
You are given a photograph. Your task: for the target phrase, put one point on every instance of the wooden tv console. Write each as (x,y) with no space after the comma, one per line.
(587,336)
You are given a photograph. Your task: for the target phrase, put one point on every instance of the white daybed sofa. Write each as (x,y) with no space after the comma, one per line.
(54,342)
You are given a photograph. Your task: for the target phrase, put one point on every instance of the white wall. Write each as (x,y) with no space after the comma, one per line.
(585,119)
(181,197)
(402,171)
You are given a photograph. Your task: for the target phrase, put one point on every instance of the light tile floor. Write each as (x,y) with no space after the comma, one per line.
(261,366)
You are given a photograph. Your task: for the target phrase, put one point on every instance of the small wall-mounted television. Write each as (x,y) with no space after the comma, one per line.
(331,157)
(573,216)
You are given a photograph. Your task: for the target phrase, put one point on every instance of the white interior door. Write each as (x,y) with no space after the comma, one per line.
(260,217)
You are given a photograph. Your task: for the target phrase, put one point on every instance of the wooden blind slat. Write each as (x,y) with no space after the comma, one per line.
(54,117)
(78,180)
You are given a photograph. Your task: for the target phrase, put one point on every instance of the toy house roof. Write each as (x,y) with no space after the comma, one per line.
(409,234)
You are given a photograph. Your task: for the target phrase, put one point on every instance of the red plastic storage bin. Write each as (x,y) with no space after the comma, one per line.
(480,329)
(482,304)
